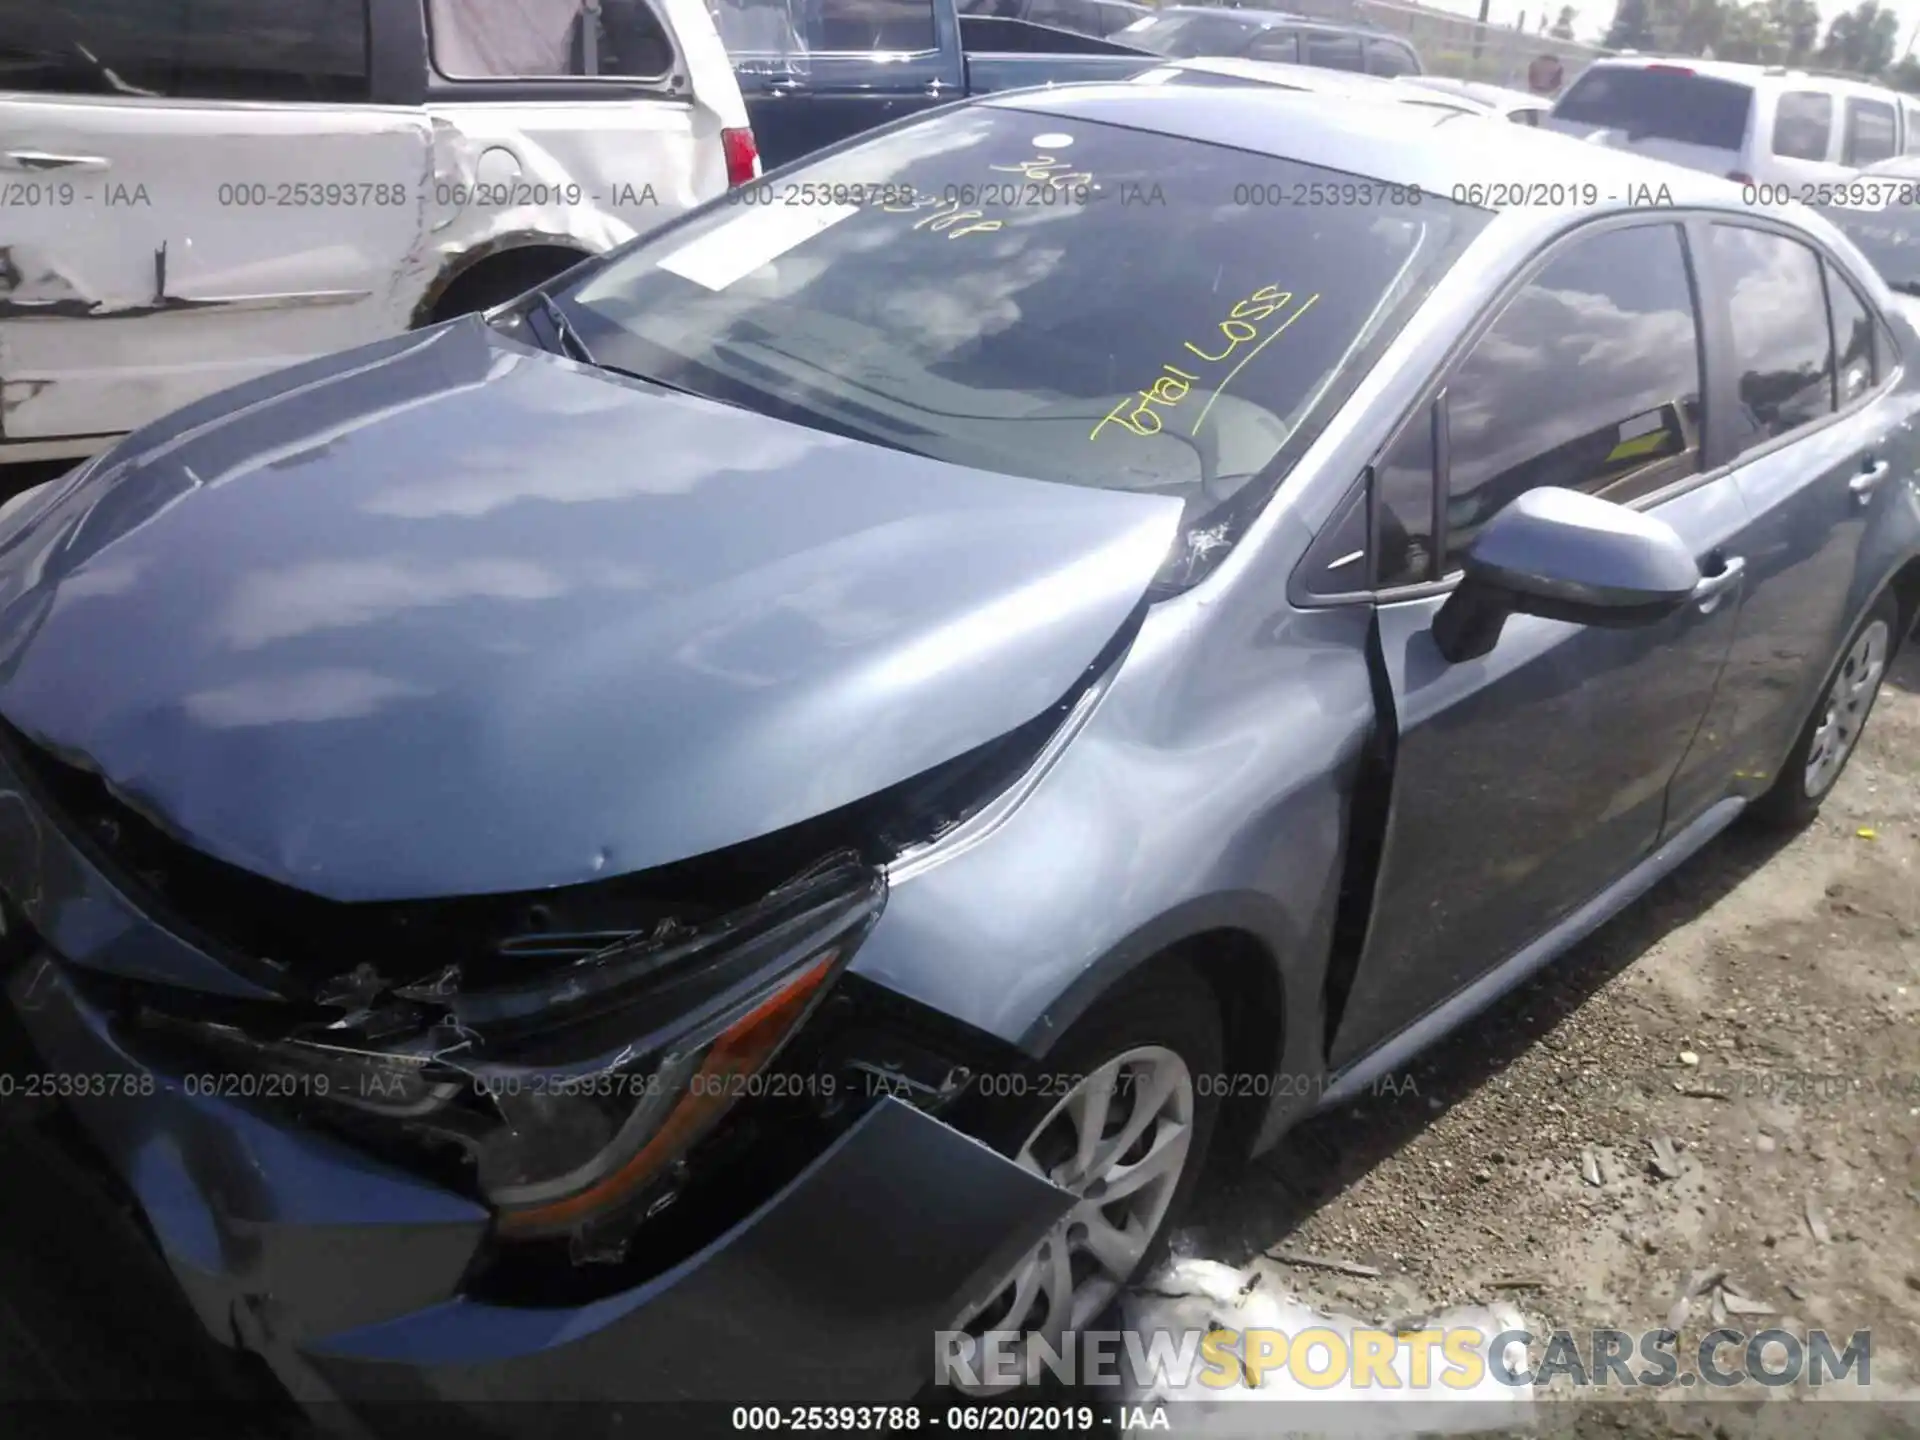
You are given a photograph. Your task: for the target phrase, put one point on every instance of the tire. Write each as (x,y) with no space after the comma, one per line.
(1833,729)
(1155,1026)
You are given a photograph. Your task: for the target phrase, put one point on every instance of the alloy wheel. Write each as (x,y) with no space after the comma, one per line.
(1848,700)
(1119,1140)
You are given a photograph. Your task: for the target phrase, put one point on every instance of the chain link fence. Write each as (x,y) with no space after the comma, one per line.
(1466,49)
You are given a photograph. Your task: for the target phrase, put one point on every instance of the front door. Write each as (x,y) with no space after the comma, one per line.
(1528,780)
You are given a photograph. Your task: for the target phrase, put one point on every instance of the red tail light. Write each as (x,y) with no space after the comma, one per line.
(1740,177)
(1671,69)
(743,156)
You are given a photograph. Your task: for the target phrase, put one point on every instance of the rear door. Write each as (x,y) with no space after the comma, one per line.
(1527,781)
(1665,110)
(196,194)
(816,71)
(1814,456)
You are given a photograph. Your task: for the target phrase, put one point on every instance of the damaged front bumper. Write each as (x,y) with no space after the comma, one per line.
(346,1275)
(355,1278)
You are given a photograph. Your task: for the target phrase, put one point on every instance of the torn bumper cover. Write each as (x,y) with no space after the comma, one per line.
(354,1276)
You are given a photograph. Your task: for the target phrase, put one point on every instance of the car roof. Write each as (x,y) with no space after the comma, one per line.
(1398,144)
(1287,75)
(1275,17)
(1499,96)
(1763,77)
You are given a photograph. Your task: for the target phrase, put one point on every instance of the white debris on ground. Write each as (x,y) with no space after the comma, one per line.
(1204,1295)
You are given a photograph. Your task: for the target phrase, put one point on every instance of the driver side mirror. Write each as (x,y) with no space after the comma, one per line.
(1565,555)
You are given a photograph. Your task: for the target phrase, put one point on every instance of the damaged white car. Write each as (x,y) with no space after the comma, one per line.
(193,196)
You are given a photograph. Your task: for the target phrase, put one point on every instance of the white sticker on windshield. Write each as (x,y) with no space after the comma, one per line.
(754,237)
(1052,140)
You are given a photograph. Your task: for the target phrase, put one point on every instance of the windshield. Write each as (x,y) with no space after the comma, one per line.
(1185,35)
(1653,104)
(1019,293)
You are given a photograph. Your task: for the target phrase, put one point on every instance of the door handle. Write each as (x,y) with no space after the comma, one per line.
(1867,481)
(1712,589)
(38,160)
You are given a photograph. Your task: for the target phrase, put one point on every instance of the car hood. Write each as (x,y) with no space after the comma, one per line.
(448,615)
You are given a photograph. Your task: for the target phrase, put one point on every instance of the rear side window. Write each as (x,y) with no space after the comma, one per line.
(1389,57)
(546,39)
(1911,114)
(1782,347)
(1802,125)
(1852,338)
(291,50)
(1589,379)
(1871,132)
(1275,45)
(1668,104)
(1331,52)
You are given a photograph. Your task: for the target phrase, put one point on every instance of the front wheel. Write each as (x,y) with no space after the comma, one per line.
(1122,1119)
(1831,733)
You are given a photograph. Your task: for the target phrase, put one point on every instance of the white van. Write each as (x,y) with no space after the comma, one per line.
(1757,124)
(194,194)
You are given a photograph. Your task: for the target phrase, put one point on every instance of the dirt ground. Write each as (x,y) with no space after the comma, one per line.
(1759,1011)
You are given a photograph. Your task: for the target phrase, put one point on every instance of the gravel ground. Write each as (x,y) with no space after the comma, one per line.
(1757,1010)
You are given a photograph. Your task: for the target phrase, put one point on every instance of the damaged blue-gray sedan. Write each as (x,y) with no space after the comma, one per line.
(781,794)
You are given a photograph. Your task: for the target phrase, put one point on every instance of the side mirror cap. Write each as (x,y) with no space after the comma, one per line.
(1565,555)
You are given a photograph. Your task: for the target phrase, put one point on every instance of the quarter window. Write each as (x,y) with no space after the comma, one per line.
(1782,348)
(547,39)
(1589,379)
(288,50)
(1852,338)
(1802,125)
(1872,132)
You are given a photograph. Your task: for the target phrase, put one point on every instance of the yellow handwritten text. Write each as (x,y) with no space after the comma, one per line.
(1047,169)
(1240,328)
(945,217)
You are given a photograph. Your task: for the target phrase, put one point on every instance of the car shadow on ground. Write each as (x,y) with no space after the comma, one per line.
(1905,670)
(1261,1204)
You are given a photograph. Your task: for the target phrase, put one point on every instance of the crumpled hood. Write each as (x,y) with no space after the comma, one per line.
(449,616)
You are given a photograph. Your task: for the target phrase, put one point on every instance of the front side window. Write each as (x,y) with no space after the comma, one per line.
(1588,379)
(1331,52)
(1387,57)
(1782,347)
(312,51)
(1803,125)
(994,291)
(1403,487)
(1872,132)
(547,39)
(1275,45)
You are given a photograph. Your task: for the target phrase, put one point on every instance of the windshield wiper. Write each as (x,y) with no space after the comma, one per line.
(569,338)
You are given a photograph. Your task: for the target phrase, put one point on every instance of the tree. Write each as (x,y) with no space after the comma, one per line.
(1751,33)
(1862,39)
(1799,25)
(1632,27)
(1905,75)
(1563,23)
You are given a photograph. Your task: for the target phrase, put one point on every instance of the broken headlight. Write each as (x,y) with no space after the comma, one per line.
(573,1097)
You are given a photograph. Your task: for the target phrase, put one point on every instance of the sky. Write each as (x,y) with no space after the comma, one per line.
(1594,16)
